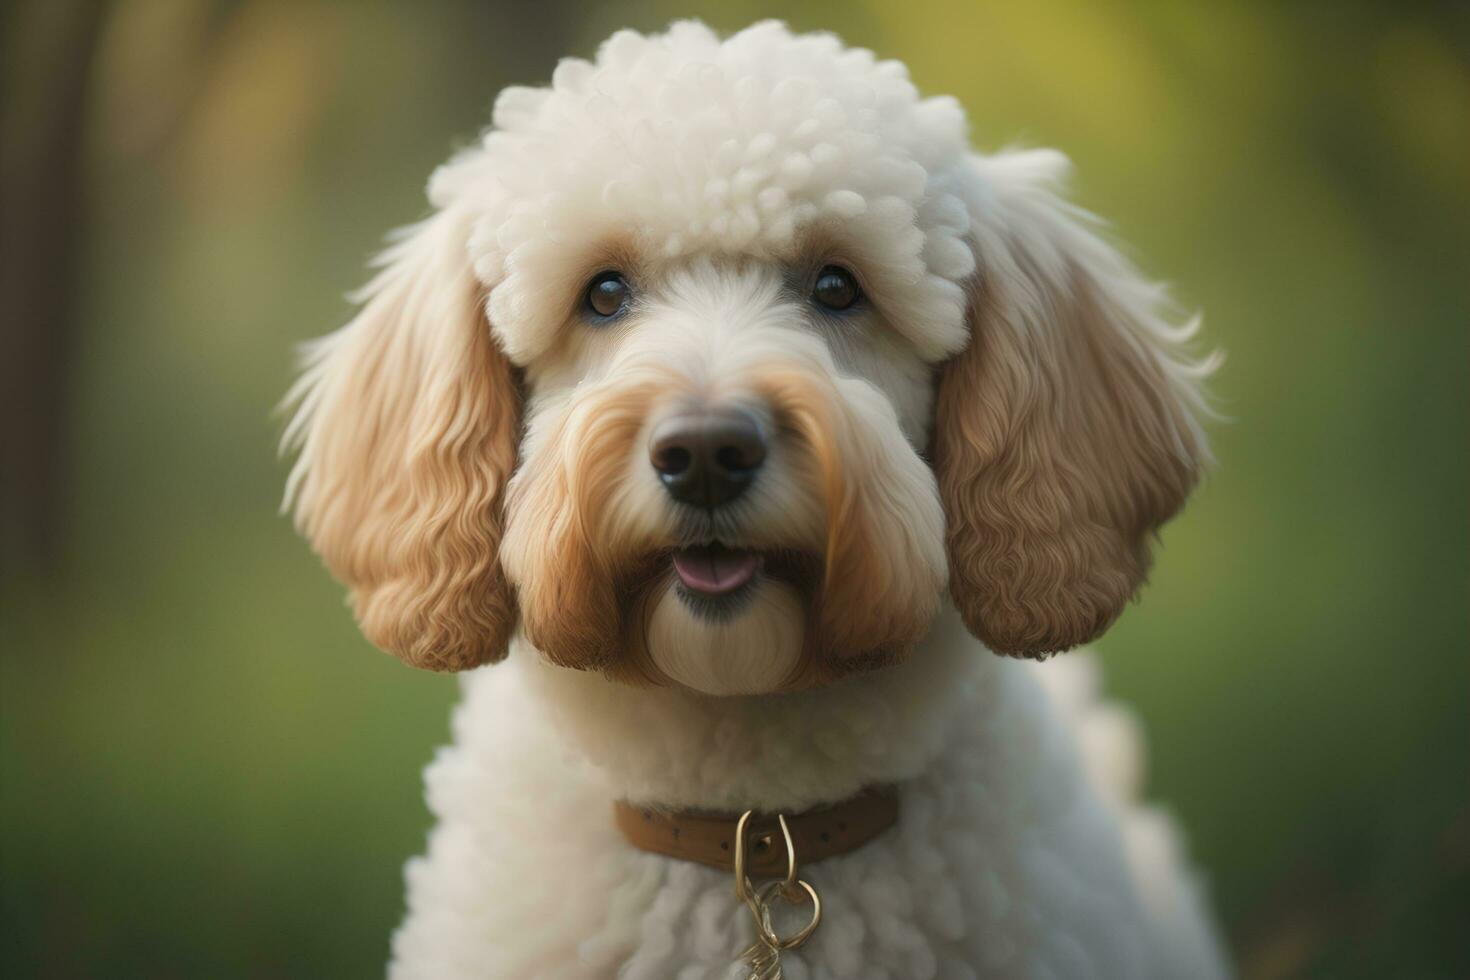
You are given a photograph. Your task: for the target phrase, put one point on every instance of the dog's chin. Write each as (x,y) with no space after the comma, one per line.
(727,628)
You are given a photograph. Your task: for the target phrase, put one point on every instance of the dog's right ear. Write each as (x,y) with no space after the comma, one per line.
(407,422)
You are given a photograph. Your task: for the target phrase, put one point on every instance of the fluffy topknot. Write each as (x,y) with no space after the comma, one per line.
(681,143)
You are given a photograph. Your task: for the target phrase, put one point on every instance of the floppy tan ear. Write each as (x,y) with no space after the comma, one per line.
(407,421)
(1068,430)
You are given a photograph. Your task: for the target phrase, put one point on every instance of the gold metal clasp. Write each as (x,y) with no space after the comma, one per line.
(764,955)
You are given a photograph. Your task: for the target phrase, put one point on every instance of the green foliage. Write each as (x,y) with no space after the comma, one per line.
(205,771)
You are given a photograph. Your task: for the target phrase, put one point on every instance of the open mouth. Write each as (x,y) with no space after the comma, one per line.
(713,571)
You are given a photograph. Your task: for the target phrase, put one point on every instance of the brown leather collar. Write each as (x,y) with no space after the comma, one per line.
(706,837)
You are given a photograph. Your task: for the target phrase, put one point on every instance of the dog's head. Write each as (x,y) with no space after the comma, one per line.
(716,360)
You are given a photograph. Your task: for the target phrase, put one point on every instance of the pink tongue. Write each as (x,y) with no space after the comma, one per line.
(715,571)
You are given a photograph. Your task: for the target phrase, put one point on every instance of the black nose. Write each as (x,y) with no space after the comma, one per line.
(707,458)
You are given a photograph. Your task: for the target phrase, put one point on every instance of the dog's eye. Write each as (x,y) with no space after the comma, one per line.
(835,288)
(607,294)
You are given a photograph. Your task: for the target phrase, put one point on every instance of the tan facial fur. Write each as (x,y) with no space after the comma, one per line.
(842,490)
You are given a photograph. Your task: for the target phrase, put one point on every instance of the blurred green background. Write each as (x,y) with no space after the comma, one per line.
(205,771)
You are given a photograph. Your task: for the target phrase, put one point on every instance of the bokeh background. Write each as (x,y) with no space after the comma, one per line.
(205,771)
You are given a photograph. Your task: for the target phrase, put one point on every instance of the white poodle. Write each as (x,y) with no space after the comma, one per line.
(715,364)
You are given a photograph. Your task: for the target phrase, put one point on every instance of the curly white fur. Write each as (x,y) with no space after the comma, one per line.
(1013,857)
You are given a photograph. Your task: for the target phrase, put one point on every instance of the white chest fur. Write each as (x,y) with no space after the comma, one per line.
(1008,860)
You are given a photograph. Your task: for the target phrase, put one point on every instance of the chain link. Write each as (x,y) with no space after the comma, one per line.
(763,957)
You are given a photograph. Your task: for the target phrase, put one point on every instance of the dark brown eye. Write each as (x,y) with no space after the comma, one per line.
(835,289)
(607,294)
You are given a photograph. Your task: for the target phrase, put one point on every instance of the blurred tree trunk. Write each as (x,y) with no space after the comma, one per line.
(49,47)
(47,56)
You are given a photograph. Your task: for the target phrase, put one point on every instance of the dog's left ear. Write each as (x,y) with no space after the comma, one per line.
(407,422)
(1067,431)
